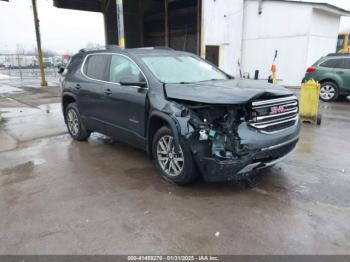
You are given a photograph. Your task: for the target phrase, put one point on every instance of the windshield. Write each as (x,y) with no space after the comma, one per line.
(182,69)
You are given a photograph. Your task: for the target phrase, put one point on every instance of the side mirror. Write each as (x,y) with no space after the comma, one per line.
(60,69)
(132,80)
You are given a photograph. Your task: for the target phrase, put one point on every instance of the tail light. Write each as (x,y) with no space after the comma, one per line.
(310,70)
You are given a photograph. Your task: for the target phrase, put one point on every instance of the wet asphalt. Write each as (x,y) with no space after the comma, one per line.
(59,196)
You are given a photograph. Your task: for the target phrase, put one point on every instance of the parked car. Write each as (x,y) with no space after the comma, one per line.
(333,73)
(189,116)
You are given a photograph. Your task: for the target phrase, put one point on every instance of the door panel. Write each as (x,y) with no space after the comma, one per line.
(124,106)
(91,91)
(345,74)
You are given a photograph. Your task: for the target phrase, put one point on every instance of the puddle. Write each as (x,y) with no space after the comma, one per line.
(21,168)
(17,174)
(20,172)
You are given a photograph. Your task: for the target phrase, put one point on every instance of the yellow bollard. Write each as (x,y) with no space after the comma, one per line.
(308,102)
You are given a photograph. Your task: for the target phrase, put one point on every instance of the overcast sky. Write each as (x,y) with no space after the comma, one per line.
(62,30)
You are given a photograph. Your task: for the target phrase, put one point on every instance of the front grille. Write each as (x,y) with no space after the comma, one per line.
(274,115)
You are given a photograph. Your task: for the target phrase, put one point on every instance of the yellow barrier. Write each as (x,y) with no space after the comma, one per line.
(309,100)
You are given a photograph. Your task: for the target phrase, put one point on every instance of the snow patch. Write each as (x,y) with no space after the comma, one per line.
(2,76)
(9,89)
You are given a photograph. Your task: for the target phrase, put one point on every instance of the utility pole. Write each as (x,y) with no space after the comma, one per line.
(120,19)
(38,41)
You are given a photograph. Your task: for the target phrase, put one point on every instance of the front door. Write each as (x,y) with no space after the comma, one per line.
(125,106)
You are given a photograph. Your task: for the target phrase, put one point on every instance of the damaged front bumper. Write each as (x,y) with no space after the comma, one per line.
(262,151)
(216,170)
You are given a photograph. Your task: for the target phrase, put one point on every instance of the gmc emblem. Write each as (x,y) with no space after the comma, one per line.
(276,110)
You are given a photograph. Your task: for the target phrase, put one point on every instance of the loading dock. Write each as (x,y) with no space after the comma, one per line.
(143,23)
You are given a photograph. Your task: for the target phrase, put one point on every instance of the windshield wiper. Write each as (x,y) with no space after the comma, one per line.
(213,79)
(195,82)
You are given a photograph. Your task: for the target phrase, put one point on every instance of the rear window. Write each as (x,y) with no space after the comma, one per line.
(73,64)
(96,67)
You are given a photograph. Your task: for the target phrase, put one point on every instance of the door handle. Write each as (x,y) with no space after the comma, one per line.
(77,86)
(108,92)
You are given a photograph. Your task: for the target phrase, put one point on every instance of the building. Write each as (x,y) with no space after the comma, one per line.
(226,31)
(302,32)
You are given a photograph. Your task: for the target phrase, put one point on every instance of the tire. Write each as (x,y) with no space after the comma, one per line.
(329,91)
(181,171)
(75,125)
(319,119)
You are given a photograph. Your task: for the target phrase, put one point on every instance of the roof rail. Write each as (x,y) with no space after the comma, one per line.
(113,47)
(338,54)
(154,47)
(107,47)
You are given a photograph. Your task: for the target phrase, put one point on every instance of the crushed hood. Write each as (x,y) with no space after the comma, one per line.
(235,91)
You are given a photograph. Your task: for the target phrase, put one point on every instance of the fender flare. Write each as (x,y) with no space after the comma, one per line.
(172,124)
(67,94)
(337,80)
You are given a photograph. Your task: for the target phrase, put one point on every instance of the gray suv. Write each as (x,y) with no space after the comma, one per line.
(189,116)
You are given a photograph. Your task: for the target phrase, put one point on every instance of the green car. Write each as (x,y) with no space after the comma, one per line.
(333,73)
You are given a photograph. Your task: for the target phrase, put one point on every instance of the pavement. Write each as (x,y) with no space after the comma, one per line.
(59,196)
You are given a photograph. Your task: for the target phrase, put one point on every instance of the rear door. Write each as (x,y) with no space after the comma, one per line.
(342,70)
(346,74)
(95,73)
(124,108)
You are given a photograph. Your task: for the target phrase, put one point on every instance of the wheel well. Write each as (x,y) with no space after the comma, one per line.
(328,80)
(154,125)
(66,100)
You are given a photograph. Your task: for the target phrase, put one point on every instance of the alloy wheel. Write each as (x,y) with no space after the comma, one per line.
(73,122)
(327,92)
(170,162)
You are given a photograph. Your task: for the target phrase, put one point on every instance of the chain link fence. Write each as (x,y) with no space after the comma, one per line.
(25,75)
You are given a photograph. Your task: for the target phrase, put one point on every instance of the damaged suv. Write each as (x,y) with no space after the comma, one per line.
(192,118)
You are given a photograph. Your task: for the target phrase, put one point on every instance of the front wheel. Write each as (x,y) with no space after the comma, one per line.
(328,91)
(175,167)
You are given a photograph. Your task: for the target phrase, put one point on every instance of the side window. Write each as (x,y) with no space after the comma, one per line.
(347,63)
(122,67)
(335,63)
(331,63)
(340,63)
(96,67)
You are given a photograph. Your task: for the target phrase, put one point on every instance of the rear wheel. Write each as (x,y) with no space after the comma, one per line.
(75,125)
(175,167)
(328,91)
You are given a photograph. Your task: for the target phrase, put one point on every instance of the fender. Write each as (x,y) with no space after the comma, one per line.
(172,124)
(67,94)
(332,77)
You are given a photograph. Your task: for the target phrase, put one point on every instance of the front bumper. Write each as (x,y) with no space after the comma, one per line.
(216,170)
